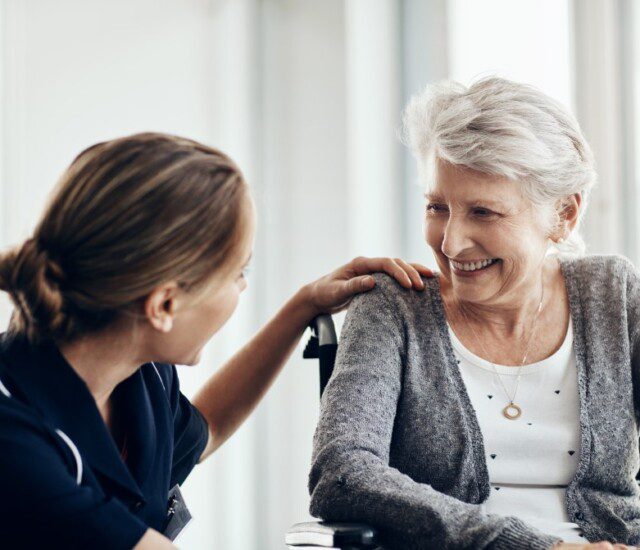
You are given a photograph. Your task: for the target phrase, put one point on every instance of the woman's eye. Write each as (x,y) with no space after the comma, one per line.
(244,273)
(482,212)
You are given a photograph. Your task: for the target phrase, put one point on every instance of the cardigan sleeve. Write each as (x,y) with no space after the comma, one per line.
(632,303)
(351,479)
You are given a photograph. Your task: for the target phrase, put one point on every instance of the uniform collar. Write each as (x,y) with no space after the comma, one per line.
(50,385)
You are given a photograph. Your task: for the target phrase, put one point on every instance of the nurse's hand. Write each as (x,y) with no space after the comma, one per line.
(332,293)
(230,395)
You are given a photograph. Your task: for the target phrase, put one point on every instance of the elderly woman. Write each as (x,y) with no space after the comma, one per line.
(498,409)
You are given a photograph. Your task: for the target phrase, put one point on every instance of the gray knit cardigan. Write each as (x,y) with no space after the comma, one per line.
(398,443)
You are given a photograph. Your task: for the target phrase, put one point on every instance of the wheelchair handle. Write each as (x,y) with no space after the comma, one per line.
(322,345)
(323,328)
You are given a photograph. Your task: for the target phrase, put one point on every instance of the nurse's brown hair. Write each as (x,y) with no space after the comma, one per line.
(127,215)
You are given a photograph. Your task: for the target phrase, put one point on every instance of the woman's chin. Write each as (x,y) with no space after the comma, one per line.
(470,290)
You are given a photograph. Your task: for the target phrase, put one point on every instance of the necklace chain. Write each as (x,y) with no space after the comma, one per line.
(511,406)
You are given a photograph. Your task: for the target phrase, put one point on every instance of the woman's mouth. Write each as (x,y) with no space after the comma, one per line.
(470,268)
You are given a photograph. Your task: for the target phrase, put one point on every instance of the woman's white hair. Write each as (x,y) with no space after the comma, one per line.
(503,128)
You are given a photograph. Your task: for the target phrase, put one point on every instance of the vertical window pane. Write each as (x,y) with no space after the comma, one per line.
(528,41)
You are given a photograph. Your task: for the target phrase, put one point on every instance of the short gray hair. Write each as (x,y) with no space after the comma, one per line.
(503,128)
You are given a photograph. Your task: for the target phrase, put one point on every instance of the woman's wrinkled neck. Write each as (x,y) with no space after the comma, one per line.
(510,315)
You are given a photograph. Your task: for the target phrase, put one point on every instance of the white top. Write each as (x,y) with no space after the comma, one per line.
(532,459)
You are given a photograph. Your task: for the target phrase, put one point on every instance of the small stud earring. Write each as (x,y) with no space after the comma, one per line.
(560,240)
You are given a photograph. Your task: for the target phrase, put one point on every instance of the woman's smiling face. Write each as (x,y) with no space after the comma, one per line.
(489,240)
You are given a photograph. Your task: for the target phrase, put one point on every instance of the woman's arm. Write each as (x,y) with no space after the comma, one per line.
(632,302)
(351,479)
(230,395)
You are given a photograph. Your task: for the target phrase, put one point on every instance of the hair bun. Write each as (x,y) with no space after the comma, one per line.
(33,281)
(127,215)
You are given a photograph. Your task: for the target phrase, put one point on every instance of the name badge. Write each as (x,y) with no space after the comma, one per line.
(178,515)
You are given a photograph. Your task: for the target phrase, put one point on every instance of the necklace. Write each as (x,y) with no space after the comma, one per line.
(511,410)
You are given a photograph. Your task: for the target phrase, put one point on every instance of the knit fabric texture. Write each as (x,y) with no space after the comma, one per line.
(398,443)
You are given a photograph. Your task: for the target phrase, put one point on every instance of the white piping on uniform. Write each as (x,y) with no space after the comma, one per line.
(156,369)
(4,390)
(63,436)
(76,453)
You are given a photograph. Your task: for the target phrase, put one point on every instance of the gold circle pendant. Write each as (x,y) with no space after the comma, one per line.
(512,411)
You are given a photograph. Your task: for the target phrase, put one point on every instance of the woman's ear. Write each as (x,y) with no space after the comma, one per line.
(160,306)
(568,211)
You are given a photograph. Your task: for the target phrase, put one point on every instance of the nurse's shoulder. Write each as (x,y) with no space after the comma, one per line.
(45,488)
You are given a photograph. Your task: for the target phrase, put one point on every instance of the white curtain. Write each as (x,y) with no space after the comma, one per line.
(606,55)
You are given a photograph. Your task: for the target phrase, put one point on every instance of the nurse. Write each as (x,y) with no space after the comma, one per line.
(138,260)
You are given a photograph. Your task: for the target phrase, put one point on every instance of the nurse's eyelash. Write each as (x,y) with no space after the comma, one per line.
(245,272)
(435,208)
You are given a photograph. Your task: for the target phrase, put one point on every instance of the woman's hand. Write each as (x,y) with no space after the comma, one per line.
(333,292)
(602,545)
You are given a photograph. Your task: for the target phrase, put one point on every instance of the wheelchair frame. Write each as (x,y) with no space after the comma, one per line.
(323,345)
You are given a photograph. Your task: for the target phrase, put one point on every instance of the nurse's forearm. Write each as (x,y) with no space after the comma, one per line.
(152,540)
(230,395)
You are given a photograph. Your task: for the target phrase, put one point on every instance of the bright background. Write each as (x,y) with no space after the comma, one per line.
(306,95)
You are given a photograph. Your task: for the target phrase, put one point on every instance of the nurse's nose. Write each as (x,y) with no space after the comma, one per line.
(457,238)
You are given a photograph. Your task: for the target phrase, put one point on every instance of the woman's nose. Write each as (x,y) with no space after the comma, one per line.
(456,238)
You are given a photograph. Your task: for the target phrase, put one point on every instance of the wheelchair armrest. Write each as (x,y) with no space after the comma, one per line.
(331,535)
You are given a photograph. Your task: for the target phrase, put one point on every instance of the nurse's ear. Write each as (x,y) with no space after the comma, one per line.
(160,306)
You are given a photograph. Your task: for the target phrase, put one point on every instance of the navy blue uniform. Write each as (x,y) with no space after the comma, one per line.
(63,480)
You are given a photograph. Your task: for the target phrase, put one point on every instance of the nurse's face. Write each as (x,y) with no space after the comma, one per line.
(196,321)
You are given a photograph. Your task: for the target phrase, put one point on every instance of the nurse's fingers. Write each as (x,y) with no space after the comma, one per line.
(408,275)
(416,281)
(423,270)
(339,293)
(358,284)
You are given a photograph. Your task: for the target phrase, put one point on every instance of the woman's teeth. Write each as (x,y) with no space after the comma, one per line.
(472,266)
